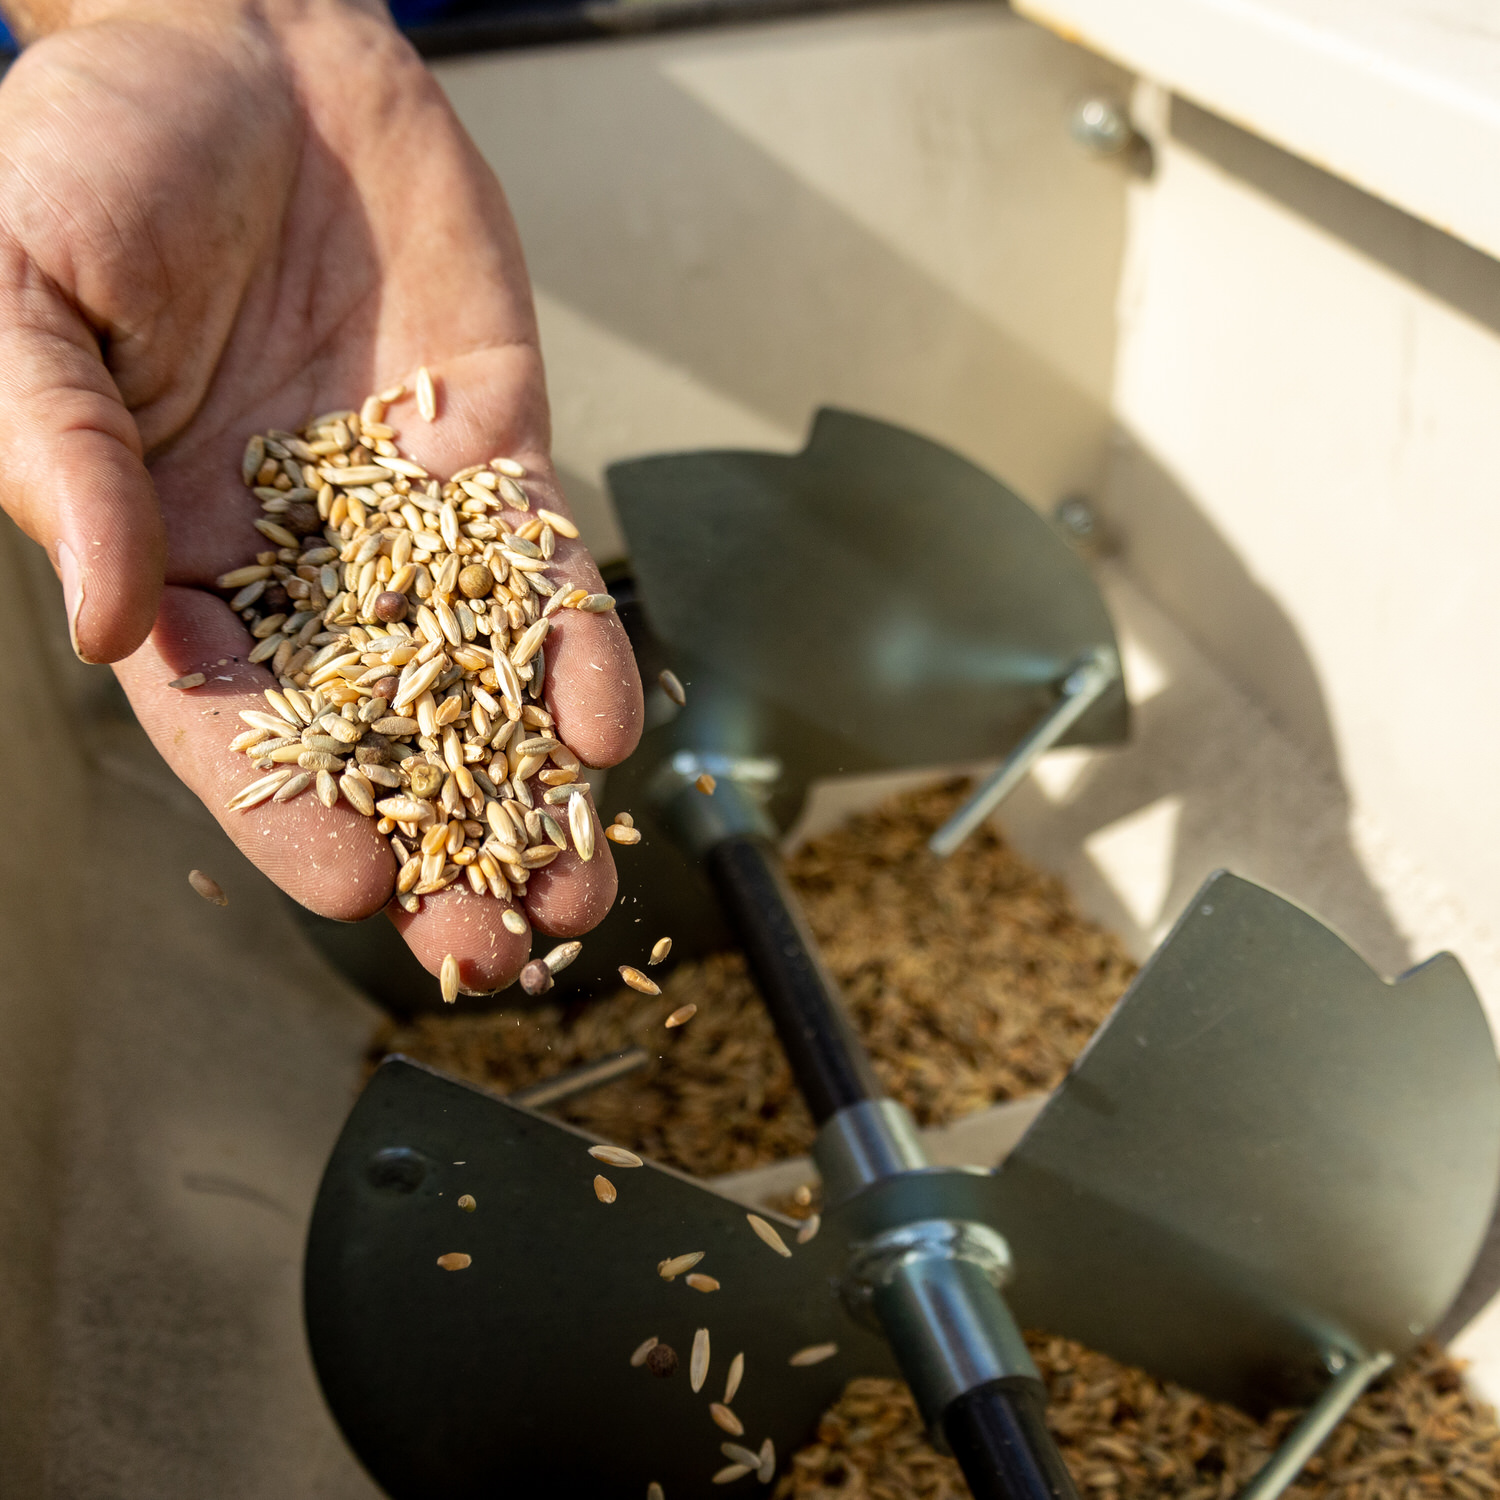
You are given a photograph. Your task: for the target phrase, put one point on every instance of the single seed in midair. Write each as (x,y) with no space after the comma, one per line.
(682,1015)
(662,1361)
(659,950)
(814,1354)
(701,1283)
(448,978)
(706,784)
(562,955)
(672,686)
(810,1226)
(604,1190)
(698,1363)
(736,1454)
(726,1419)
(615,1156)
(736,1374)
(668,1269)
(768,1234)
(642,1350)
(536,977)
(730,1472)
(638,981)
(766,1471)
(455,1260)
(207,887)
(467,1203)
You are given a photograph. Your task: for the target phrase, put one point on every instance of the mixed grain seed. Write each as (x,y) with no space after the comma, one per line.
(814,1354)
(662,1361)
(681,1016)
(615,1156)
(701,1283)
(455,1260)
(730,1472)
(448,978)
(604,1189)
(207,887)
(187,683)
(726,1419)
(736,1374)
(644,1348)
(698,1362)
(671,685)
(659,950)
(810,1226)
(668,1270)
(767,1232)
(405,620)
(638,981)
(467,1202)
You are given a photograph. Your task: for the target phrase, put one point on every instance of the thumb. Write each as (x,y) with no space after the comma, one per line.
(71,470)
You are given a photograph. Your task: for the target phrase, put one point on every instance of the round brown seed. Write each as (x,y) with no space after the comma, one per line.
(426,779)
(302,519)
(536,978)
(662,1360)
(385,687)
(390,607)
(475,581)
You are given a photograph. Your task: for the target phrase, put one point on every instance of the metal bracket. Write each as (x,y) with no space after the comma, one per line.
(1084,685)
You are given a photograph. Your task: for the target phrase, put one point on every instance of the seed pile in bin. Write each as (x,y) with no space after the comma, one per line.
(405,620)
(972,979)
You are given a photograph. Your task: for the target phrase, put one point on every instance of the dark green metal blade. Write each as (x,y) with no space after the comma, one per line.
(512,1377)
(1268,1154)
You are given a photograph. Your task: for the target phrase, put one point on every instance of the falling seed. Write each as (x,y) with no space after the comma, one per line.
(468,1203)
(766,1469)
(562,955)
(682,1015)
(192,680)
(604,1190)
(726,1419)
(814,1354)
(701,1283)
(624,820)
(730,1472)
(768,1234)
(448,978)
(671,685)
(639,1357)
(662,1361)
(426,395)
(659,950)
(736,1374)
(667,1269)
(616,1156)
(513,921)
(622,833)
(810,1226)
(655,1492)
(706,784)
(638,981)
(698,1364)
(536,977)
(455,1260)
(207,887)
(739,1455)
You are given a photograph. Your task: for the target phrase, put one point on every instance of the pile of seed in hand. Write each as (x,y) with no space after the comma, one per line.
(405,620)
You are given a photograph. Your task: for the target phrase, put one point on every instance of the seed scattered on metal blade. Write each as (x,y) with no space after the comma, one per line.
(467,1203)
(448,978)
(671,685)
(604,1190)
(682,1015)
(698,1364)
(642,1350)
(701,1283)
(726,1419)
(668,1269)
(659,950)
(736,1374)
(455,1260)
(638,981)
(616,1156)
(207,887)
(814,1354)
(768,1234)
(810,1226)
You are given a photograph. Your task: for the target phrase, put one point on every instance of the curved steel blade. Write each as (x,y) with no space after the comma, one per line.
(512,1377)
(1268,1155)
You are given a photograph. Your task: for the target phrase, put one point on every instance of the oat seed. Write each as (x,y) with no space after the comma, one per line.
(681,1016)
(767,1232)
(448,978)
(426,395)
(726,1419)
(677,1264)
(615,1156)
(698,1363)
(207,887)
(642,1350)
(814,1354)
(671,685)
(736,1374)
(730,1472)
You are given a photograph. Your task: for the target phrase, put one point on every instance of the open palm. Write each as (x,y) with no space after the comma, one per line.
(212,224)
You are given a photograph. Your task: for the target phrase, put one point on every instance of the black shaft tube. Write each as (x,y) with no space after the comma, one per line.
(827,1058)
(999,1436)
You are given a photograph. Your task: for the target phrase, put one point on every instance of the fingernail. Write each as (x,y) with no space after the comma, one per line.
(72,582)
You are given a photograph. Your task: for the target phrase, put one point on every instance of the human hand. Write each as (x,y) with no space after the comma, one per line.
(216,220)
